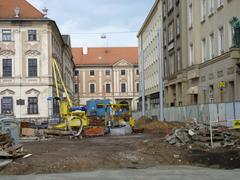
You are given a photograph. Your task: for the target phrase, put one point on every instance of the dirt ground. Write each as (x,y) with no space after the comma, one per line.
(108,152)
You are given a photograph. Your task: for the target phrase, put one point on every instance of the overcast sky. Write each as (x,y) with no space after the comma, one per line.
(86,20)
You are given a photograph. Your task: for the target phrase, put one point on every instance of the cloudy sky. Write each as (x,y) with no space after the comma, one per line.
(87,20)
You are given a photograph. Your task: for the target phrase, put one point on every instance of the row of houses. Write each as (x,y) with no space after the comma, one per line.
(29,40)
(201,65)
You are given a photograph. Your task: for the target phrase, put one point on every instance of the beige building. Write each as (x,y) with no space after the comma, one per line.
(213,65)
(199,64)
(28,42)
(107,73)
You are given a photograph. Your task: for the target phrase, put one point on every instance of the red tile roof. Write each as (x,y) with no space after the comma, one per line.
(105,56)
(27,11)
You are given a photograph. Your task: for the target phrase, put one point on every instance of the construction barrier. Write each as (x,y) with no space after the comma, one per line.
(226,114)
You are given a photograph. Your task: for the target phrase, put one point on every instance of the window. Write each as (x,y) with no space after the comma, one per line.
(137,86)
(171,64)
(203,50)
(7,105)
(190,16)
(76,73)
(6,35)
(203,9)
(211,93)
(179,62)
(170,5)
(137,72)
(76,88)
(210,6)
(170,33)
(178,25)
(191,55)
(32,105)
(123,72)
(123,87)
(92,88)
(165,67)
(107,72)
(164,38)
(32,68)
(108,88)
(32,35)
(211,45)
(92,73)
(7,68)
(221,40)
(230,34)
(164,10)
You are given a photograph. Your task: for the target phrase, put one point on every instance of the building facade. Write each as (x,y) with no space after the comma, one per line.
(213,74)
(174,51)
(200,65)
(107,73)
(149,56)
(28,42)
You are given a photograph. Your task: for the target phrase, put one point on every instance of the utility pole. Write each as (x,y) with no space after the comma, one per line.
(160,49)
(142,79)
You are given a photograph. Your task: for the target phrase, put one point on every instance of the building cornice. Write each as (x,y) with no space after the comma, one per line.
(148,17)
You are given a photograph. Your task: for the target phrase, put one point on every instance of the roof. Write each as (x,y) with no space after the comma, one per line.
(27,11)
(148,17)
(105,55)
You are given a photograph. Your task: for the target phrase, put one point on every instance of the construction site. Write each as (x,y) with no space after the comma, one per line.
(118,109)
(101,135)
(148,144)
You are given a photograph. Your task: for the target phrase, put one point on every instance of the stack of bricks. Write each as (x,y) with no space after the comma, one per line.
(93,132)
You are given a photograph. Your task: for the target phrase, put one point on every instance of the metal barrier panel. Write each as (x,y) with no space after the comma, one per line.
(219,114)
(222,114)
(203,117)
(237,110)
(229,114)
(213,113)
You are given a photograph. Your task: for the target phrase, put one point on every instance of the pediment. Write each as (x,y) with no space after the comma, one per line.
(6,52)
(32,91)
(122,63)
(7,91)
(32,52)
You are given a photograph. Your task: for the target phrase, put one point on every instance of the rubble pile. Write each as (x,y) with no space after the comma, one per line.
(193,133)
(8,150)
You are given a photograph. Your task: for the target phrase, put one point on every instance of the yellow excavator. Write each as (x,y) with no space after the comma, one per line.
(74,118)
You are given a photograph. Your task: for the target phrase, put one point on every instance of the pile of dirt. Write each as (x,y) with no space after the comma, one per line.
(157,127)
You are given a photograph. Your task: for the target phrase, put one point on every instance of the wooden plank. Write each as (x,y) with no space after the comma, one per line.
(5,154)
(5,162)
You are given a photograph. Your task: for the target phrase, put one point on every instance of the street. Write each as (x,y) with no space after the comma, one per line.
(163,173)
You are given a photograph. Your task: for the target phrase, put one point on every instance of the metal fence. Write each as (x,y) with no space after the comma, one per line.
(219,113)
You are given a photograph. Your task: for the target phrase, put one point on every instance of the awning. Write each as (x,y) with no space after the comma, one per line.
(193,90)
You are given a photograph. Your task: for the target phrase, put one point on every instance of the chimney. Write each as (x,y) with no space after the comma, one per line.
(17,12)
(85,50)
